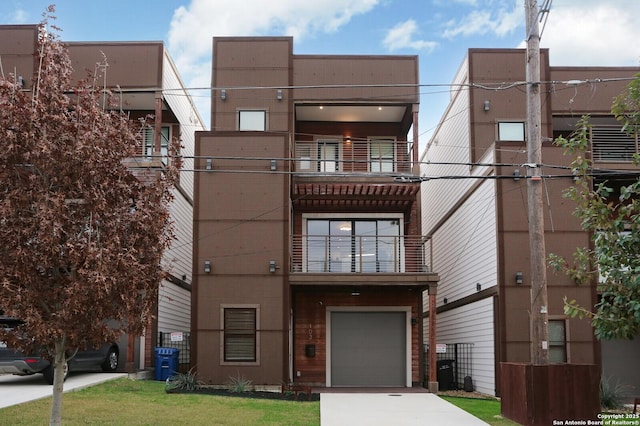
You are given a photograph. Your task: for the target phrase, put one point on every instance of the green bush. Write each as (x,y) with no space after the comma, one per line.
(183,381)
(238,384)
(611,394)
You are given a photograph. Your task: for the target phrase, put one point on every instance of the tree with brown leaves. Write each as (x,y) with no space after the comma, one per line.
(82,234)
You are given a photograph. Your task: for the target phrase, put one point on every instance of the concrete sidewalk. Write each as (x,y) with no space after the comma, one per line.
(18,389)
(384,409)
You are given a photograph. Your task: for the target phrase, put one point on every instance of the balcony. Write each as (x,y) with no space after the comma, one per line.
(357,254)
(610,144)
(378,156)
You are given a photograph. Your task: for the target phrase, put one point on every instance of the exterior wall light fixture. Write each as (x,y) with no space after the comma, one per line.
(223,94)
(272,266)
(209,164)
(478,287)
(518,277)
(279,94)
(486,105)
(207,266)
(273,165)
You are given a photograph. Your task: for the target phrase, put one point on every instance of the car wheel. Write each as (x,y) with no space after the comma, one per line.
(48,373)
(111,361)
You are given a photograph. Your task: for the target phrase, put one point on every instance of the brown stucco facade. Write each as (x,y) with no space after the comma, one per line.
(259,192)
(492,92)
(140,73)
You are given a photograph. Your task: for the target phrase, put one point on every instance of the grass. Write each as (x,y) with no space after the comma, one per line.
(487,410)
(145,402)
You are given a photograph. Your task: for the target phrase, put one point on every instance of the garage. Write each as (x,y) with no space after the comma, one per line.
(368,348)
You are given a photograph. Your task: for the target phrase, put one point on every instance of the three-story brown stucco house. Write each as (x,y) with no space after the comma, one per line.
(475,226)
(308,256)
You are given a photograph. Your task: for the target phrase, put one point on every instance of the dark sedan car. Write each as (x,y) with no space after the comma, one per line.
(104,358)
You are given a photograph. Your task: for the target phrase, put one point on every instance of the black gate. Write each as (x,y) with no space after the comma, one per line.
(454,363)
(180,341)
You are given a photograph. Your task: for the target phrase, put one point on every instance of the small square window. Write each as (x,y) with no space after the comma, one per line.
(252,121)
(511,131)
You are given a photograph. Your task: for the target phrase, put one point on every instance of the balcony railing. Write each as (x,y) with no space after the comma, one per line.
(357,254)
(380,156)
(611,144)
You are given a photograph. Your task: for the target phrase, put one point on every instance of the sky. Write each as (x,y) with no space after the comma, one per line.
(577,32)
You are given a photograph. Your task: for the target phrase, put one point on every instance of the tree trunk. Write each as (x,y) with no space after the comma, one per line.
(58,384)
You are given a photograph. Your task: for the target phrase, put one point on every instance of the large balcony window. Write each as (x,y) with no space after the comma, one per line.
(352,245)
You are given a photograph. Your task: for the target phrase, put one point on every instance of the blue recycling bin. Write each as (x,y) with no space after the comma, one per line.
(166,363)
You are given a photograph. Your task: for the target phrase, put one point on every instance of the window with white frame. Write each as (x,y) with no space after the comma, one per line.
(381,155)
(557,341)
(252,120)
(240,334)
(511,131)
(328,156)
(149,142)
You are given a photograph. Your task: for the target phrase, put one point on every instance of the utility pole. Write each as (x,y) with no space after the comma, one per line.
(538,315)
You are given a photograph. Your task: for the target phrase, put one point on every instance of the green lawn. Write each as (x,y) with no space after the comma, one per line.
(144,402)
(487,410)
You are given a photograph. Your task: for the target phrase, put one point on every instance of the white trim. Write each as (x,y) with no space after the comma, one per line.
(408,352)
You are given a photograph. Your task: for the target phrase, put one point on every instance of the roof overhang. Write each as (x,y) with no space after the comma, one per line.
(351,113)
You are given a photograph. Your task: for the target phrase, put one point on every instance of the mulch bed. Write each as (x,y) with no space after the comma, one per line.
(286,396)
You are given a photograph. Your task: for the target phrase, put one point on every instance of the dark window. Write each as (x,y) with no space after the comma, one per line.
(557,341)
(240,334)
(353,245)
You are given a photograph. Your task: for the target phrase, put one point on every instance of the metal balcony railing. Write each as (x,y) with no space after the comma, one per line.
(357,254)
(379,156)
(609,143)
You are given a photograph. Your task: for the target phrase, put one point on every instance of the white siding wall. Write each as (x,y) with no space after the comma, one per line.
(177,259)
(463,244)
(449,144)
(174,308)
(174,302)
(473,323)
(182,106)
(464,248)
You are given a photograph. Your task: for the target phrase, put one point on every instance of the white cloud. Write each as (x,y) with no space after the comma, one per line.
(500,21)
(593,33)
(16,16)
(402,36)
(193,28)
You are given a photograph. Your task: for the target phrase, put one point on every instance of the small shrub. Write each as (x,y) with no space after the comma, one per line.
(611,394)
(238,384)
(183,381)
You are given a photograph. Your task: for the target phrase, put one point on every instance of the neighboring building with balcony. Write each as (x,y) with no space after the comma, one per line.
(476,228)
(145,77)
(308,259)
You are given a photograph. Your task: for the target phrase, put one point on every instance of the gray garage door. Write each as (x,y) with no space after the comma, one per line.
(368,349)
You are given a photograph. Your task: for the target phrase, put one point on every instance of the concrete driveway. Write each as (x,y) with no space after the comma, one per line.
(18,389)
(384,409)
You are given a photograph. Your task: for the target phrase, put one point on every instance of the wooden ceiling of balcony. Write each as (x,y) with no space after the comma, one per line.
(391,196)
